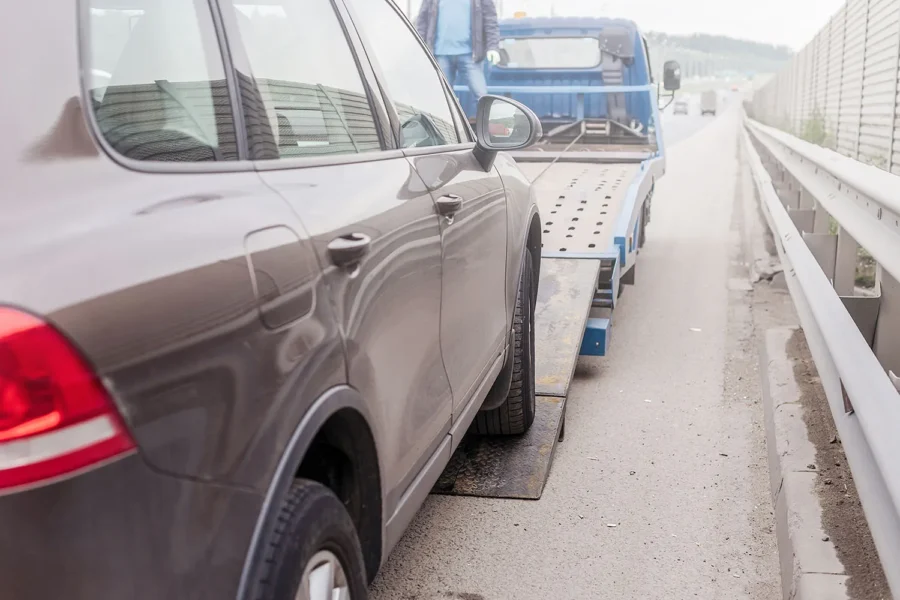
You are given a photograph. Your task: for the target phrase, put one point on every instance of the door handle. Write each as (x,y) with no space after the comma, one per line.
(449,205)
(348,250)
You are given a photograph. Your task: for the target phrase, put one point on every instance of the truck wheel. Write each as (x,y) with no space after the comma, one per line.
(314,551)
(645,218)
(515,416)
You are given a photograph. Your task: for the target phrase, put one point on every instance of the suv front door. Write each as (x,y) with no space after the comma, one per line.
(471,202)
(371,219)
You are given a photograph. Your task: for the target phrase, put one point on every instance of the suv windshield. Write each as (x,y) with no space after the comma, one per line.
(550,53)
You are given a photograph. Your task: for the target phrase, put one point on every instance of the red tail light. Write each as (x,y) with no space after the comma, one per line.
(56,418)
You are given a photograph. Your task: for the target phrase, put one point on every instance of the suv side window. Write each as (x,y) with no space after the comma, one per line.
(307,78)
(409,76)
(157,81)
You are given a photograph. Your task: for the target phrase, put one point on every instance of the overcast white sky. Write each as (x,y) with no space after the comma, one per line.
(789,22)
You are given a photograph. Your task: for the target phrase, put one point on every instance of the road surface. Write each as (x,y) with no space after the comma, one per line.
(677,128)
(660,489)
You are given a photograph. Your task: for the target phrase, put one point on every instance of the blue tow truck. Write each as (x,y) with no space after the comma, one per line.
(589,81)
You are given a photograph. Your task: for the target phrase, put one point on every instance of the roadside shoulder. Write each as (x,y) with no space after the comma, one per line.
(810,568)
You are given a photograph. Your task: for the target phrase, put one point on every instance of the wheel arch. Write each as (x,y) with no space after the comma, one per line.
(533,245)
(500,389)
(340,408)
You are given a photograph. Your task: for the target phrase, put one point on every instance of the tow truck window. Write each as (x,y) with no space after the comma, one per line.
(157,81)
(411,80)
(550,53)
(308,79)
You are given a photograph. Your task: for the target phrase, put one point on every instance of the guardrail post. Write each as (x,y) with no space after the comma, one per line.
(845,262)
(822,220)
(798,202)
(806,200)
(887,340)
(823,247)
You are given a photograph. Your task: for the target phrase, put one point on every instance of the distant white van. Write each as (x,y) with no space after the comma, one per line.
(709,103)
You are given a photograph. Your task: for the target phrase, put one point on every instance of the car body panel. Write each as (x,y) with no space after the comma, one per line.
(388,311)
(474,318)
(148,274)
(338,400)
(125,531)
(203,297)
(524,221)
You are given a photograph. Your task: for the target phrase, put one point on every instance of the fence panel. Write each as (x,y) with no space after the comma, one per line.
(835,75)
(851,87)
(879,82)
(843,88)
(823,56)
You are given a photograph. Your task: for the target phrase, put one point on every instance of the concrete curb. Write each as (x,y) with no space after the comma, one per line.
(810,569)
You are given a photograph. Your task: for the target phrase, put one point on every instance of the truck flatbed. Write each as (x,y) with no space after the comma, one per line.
(579,203)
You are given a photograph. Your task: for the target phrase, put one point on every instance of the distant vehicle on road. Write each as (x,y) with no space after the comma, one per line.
(249,309)
(709,103)
(681,107)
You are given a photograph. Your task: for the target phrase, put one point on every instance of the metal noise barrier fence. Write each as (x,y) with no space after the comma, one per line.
(843,89)
(819,204)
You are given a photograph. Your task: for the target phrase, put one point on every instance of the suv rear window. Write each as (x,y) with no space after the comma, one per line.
(157,80)
(307,78)
(550,53)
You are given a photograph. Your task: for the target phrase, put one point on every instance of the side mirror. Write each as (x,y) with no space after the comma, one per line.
(672,76)
(503,124)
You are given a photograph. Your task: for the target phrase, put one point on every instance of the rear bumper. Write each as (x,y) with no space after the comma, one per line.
(124,531)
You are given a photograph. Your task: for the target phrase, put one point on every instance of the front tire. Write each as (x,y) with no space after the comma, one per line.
(314,551)
(516,414)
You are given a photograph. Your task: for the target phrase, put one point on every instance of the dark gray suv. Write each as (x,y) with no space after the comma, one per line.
(257,279)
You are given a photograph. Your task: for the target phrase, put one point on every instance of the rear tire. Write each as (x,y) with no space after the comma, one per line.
(313,527)
(645,219)
(515,416)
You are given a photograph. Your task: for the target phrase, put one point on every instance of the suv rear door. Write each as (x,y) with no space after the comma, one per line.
(178,272)
(472,202)
(371,219)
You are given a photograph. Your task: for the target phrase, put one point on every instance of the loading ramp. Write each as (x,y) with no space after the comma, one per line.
(580,205)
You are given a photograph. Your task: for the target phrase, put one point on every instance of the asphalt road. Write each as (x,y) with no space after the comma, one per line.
(678,128)
(660,489)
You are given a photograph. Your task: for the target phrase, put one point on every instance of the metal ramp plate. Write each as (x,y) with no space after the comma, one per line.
(565,293)
(580,203)
(514,468)
(518,467)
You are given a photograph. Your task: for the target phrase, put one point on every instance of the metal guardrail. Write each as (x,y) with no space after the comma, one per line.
(820,206)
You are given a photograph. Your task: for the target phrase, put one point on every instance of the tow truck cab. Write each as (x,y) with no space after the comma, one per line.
(550,64)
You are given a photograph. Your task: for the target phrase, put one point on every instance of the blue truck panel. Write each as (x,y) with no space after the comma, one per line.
(596,73)
(564,106)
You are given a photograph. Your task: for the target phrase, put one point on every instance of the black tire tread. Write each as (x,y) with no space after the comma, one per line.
(327,512)
(516,414)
